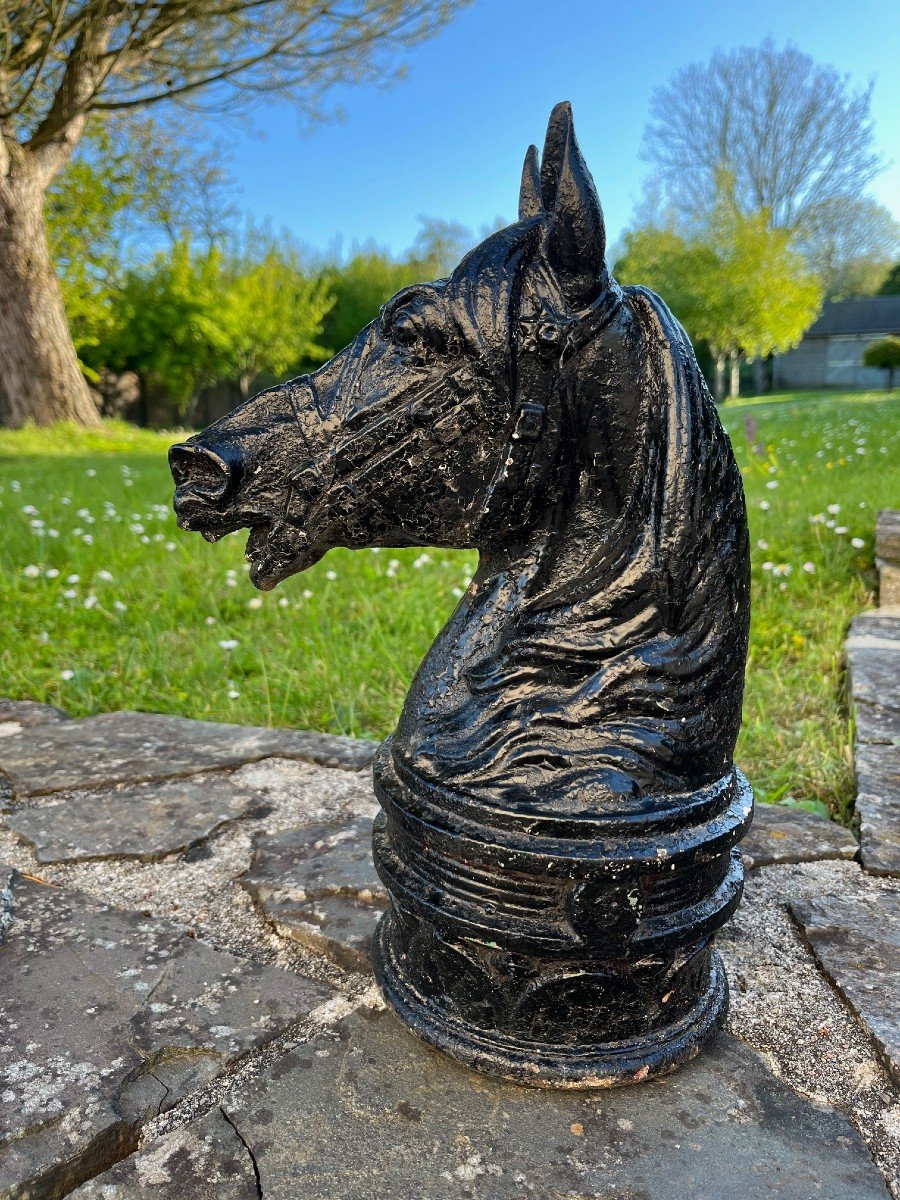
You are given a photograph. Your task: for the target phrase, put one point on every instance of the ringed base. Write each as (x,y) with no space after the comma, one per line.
(545,1065)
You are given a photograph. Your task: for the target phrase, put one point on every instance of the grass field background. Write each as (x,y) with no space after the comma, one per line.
(105,604)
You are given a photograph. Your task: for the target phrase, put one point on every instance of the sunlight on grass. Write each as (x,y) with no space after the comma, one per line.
(107,605)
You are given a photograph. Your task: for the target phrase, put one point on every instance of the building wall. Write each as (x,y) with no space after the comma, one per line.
(829,362)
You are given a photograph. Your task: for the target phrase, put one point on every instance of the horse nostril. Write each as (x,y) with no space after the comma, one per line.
(200,470)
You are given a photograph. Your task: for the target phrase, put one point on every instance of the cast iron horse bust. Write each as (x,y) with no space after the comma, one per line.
(560,805)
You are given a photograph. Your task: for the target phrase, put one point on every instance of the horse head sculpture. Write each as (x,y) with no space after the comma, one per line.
(560,802)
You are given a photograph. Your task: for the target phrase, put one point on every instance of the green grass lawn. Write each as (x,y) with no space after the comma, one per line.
(106,604)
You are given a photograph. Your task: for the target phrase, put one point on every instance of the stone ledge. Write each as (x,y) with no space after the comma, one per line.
(887,556)
(132,747)
(878,807)
(873,656)
(873,652)
(887,535)
(25,713)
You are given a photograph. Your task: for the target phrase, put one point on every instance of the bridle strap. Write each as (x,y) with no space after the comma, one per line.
(544,341)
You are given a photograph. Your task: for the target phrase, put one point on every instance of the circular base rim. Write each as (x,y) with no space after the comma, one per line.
(548,1065)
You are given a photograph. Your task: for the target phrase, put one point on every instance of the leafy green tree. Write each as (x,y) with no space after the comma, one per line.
(131,181)
(81,212)
(884,354)
(271,311)
(737,283)
(372,275)
(360,287)
(676,267)
(63,62)
(764,295)
(891,283)
(168,326)
(187,320)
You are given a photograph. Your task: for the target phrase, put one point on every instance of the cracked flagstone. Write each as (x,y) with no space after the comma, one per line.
(208,1150)
(856,940)
(144,821)
(109,1017)
(366,1111)
(318,884)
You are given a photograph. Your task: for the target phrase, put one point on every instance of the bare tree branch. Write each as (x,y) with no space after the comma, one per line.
(62,61)
(790,131)
(57,69)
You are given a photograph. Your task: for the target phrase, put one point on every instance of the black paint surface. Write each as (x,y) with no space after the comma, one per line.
(560,802)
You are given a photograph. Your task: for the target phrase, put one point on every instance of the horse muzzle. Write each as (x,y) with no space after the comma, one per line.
(241,473)
(201,473)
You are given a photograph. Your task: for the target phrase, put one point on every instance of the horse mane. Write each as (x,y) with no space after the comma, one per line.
(621,672)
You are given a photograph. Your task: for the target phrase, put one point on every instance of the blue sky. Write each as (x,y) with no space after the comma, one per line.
(448,140)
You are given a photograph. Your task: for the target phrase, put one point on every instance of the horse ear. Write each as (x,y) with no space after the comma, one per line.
(577,237)
(554,150)
(530,202)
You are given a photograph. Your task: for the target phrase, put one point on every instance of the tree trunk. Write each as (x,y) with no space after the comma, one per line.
(719,391)
(734,389)
(760,376)
(40,379)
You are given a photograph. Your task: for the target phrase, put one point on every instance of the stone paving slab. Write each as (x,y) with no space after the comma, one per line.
(128,747)
(109,1018)
(318,884)
(304,841)
(144,821)
(856,941)
(877,726)
(878,807)
(781,834)
(208,1150)
(366,1111)
(25,713)
(873,652)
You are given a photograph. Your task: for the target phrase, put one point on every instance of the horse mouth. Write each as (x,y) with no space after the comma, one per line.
(275,549)
(195,517)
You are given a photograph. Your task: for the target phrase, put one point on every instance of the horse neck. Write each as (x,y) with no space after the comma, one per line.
(591,531)
(622,576)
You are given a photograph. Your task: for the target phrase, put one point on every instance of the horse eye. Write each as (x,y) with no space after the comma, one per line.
(404,330)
